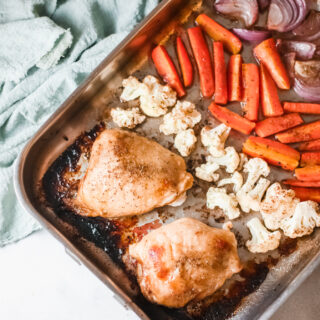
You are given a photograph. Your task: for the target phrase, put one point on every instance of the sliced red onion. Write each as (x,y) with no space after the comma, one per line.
(285,15)
(309,93)
(289,60)
(307,80)
(245,10)
(254,36)
(309,30)
(304,50)
(263,4)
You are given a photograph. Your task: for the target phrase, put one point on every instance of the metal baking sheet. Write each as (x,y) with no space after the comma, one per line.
(56,157)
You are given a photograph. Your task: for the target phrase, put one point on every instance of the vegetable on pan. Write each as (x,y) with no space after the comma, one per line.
(308,173)
(270,126)
(304,50)
(250,84)
(253,36)
(305,132)
(270,102)
(220,74)
(263,4)
(203,60)
(235,78)
(302,107)
(299,183)
(185,63)
(266,52)
(305,194)
(167,70)
(310,145)
(307,79)
(231,119)
(219,33)
(285,15)
(273,152)
(310,159)
(245,10)
(309,30)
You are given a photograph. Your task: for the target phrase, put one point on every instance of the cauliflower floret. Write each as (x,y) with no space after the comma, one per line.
(256,194)
(183,116)
(243,161)
(236,179)
(128,118)
(255,167)
(230,160)
(158,97)
(277,205)
(262,240)
(185,142)
(132,89)
(207,171)
(218,197)
(155,98)
(304,219)
(215,138)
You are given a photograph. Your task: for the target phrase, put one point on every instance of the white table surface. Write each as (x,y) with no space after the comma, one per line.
(39,281)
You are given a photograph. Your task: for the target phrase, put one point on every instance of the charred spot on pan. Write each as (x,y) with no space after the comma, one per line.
(288,246)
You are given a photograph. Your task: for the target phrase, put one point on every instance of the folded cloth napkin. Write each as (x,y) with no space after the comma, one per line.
(44,79)
(28,43)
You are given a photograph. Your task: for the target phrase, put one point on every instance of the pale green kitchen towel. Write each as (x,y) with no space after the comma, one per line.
(34,82)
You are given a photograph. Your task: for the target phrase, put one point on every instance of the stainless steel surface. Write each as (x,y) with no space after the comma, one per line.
(88,105)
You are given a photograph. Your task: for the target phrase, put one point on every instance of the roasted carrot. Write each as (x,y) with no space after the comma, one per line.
(270,102)
(273,125)
(266,52)
(235,78)
(167,70)
(313,108)
(308,173)
(250,84)
(310,159)
(203,60)
(220,74)
(305,194)
(185,63)
(219,33)
(273,152)
(305,132)
(231,119)
(299,183)
(310,146)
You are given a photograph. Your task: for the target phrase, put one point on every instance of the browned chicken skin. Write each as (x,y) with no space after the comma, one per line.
(130,175)
(183,261)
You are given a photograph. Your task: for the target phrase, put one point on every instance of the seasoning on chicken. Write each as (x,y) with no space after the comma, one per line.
(129,175)
(183,261)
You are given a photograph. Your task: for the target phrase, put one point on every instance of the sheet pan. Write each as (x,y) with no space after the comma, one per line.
(267,280)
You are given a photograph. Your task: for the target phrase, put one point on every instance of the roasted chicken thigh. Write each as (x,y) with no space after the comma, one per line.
(183,261)
(130,175)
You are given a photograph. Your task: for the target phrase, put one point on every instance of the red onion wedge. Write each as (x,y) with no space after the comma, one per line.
(309,30)
(289,60)
(263,4)
(304,50)
(245,10)
(254,36)
(307,80)
(285,15)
